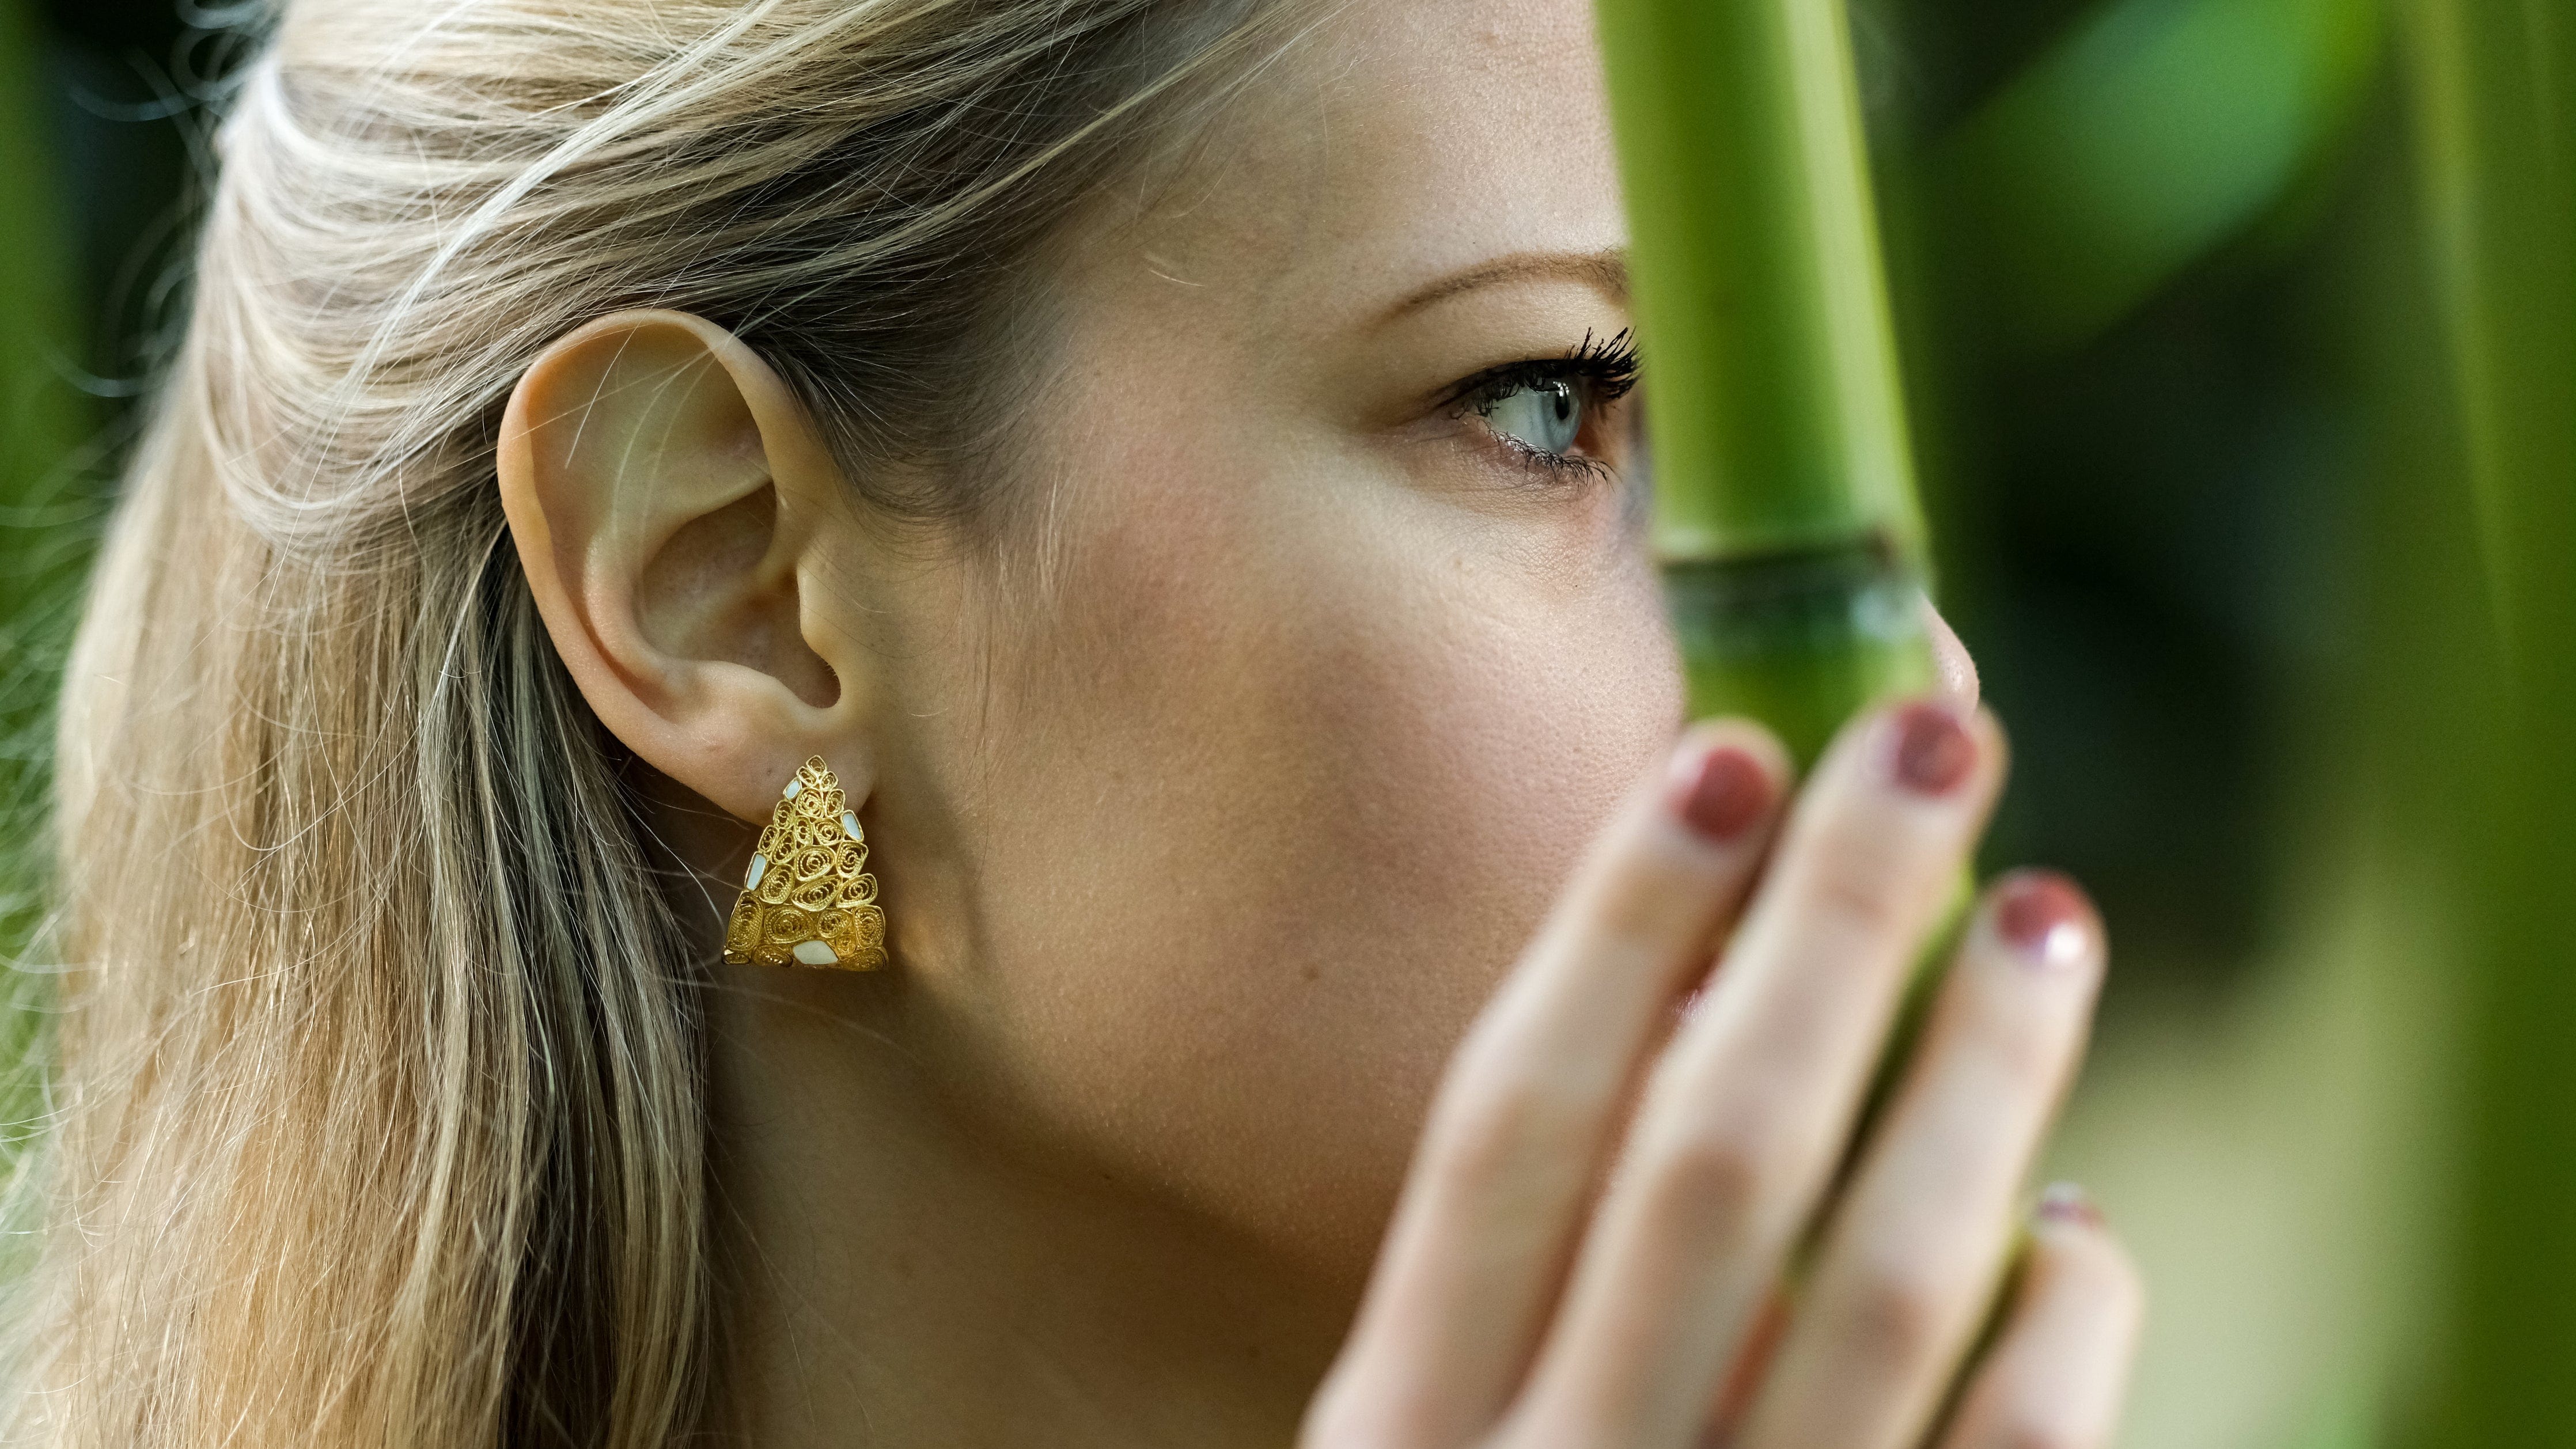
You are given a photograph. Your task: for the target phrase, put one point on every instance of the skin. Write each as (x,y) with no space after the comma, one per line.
(1240,780)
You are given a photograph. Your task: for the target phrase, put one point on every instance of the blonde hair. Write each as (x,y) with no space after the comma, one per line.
(378,1111)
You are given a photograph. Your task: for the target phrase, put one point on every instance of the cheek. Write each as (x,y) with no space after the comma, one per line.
(1299,782)
(1479,733)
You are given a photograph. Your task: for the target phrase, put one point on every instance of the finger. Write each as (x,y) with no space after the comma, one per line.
(2059,1372)
(1534,1096)
(1910,1261)
(1953,670)
(1747,1110)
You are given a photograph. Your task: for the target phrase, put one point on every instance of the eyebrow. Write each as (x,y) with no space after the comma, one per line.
(1607,271)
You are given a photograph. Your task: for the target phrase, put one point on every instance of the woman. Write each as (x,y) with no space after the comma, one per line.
(1169,462)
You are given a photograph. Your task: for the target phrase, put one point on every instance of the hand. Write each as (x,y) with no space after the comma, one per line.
(1594,1246)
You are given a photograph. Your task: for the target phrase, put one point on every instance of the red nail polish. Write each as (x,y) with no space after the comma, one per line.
(1933,751)
(1724,795)
(2045,916)
(2064,1202)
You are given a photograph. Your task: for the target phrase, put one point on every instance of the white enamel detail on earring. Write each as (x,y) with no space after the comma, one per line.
(850,824)
(759,868)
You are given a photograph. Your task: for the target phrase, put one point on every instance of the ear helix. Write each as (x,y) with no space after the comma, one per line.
(808,899)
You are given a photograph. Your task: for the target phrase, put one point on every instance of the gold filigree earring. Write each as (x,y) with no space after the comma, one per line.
(808,899)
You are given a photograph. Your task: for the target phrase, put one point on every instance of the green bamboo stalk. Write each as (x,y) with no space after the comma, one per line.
(1786,521)
(2493,98)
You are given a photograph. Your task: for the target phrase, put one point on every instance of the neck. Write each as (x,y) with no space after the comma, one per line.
(898,1277)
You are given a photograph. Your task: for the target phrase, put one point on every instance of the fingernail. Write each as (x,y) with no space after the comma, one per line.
(1722,794)
(2044,916)
(2064,1202)
(1933,752)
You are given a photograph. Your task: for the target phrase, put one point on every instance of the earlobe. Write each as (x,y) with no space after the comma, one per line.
(667,495)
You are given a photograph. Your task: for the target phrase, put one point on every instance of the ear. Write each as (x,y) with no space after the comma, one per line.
(668,497)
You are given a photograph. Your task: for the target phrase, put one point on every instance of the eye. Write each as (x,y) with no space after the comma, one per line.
(1544,417)
(1549,410)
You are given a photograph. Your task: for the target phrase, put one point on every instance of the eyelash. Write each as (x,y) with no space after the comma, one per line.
(1604,369)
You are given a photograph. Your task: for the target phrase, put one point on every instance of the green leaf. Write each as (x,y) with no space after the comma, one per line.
(2154,132)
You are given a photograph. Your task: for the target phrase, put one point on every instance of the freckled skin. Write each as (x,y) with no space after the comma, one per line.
(1214,797)
(1212,783)
(1275,775)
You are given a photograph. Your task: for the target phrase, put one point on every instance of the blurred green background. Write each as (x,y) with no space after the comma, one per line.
(2240,342)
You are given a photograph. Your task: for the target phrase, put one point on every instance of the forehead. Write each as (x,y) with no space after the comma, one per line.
(1396,142)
